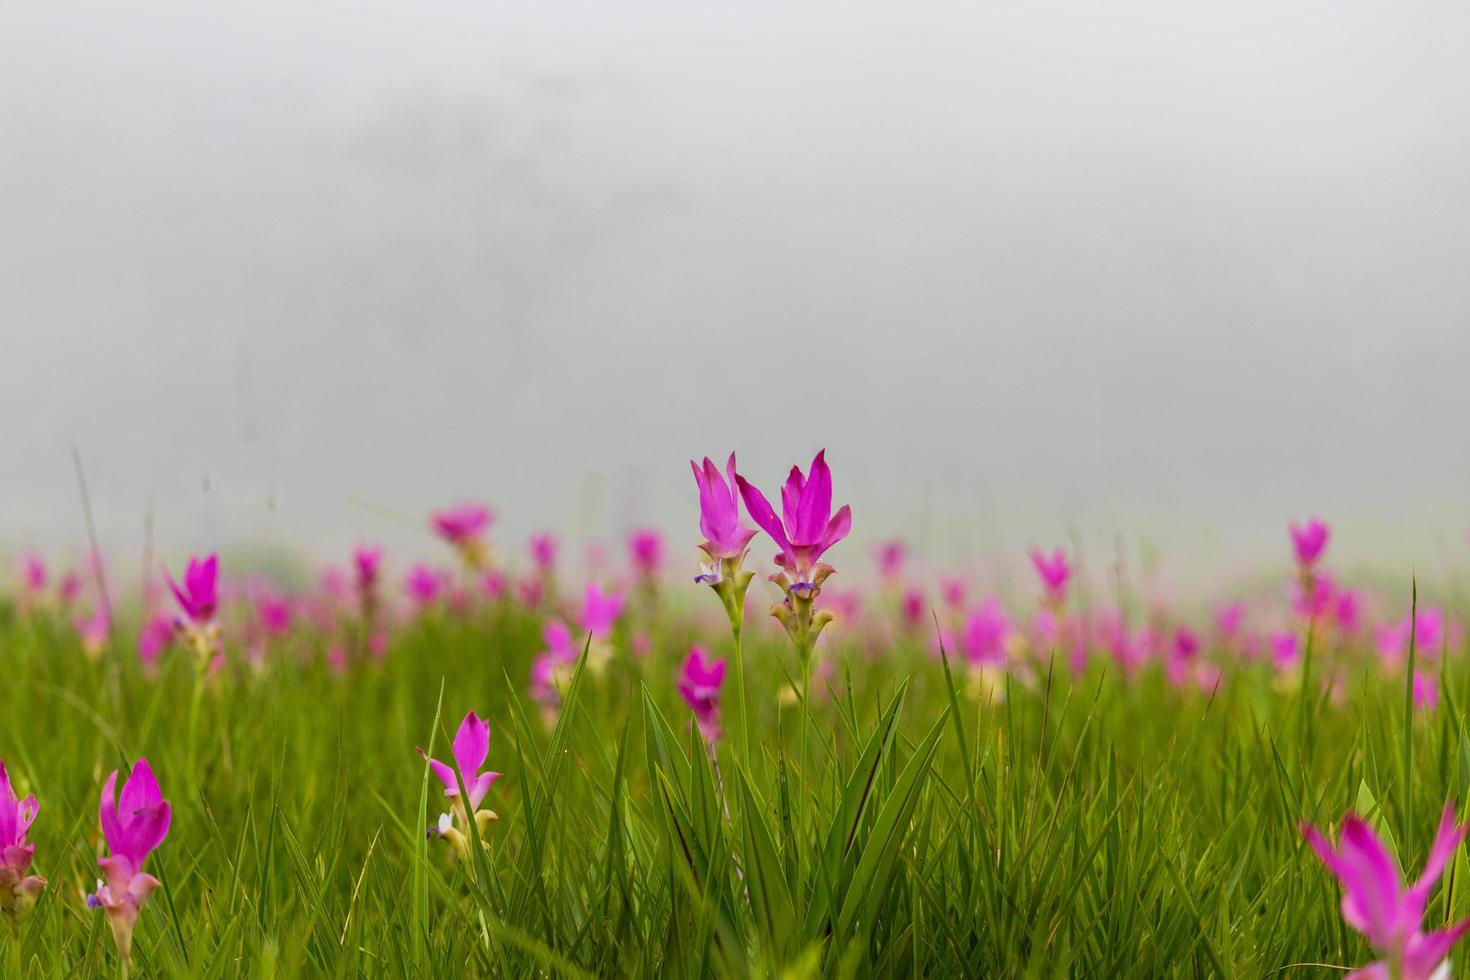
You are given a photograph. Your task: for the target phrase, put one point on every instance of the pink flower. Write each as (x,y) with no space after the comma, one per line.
(1426,691)
(69,588)
(914,607)
(155,636)
(699,685)
(600,611)
(1229,619)
(646,549)
(464,527)
(891,555)
(1285,649)
(424,585)
(1308,541)
(986,632)
(544,547)
(367,561)
(1376,903)
(471,747)
(1054,571)
(807,527)
(199,595)
(134,823)
(719,511)
(952,591)
(274,612)
(461,524)
(18,890)
(92,630)
(33,575)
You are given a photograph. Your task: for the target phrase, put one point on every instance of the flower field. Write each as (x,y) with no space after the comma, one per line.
(689,758)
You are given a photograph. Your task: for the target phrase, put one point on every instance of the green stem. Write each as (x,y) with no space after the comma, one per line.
(742,720)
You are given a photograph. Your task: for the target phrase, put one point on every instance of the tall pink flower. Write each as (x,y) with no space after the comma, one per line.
(18,890)
(464,527)
(1376,903)
(1055,573)
(134,824)
(719,511)
(471,747)
(198,600)
(1309,541)
(807,528)
(700,680)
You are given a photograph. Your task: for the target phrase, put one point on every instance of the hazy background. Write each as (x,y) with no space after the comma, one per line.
(1168,269)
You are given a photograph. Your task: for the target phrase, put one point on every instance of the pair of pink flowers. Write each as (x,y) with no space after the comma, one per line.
(134,823)
(18,888)
(1376,902)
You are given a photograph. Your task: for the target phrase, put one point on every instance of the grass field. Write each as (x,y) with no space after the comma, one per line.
(921,816)
(1079,826)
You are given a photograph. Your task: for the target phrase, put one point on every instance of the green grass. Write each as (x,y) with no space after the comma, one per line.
(1078,827)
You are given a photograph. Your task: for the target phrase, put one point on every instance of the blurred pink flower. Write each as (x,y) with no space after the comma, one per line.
(1309,541)
(646,551)
(198,597)
(891,555)
(544,548)
(700,679)
(600,611)
(1055,573)
(424,585)
(986,632)
(719,511)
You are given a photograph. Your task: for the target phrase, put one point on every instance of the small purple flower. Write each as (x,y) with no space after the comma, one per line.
(424,585)
(464,527)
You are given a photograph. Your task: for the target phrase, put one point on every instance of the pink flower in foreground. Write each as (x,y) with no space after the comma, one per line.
(1309,541)
(807,527)
(1054,571)
(599,611)
(18,890)
(134,824)
(719,513)
(471,747)
(646,550)
(699,685)
(1376,903)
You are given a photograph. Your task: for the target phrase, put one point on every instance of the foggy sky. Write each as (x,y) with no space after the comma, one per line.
(1159,269)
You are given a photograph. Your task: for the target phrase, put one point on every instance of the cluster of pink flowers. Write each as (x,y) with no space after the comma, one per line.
(134,824)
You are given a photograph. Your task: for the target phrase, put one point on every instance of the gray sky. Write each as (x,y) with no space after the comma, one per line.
(1177,268)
